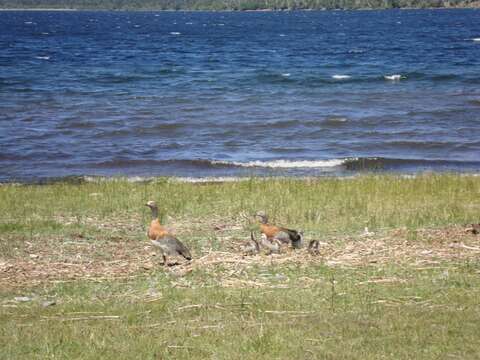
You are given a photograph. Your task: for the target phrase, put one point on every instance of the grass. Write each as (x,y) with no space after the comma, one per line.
(324,206)
(409,291)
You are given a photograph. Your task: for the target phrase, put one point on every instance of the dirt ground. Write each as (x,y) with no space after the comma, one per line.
(53,259)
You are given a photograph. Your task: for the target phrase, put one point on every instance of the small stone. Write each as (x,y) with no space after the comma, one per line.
(153,292)
(48,303)
(22,298)
(34,256)
(147,266)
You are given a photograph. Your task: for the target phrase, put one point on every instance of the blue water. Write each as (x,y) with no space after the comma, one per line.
(213,94)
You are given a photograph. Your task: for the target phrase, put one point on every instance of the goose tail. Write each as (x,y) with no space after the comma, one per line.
(186,254)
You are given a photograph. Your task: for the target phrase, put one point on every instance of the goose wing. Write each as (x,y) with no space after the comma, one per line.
(294,235)
(175,246)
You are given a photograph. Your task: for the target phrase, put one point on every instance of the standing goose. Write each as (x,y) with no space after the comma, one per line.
(160,237)
(281,234)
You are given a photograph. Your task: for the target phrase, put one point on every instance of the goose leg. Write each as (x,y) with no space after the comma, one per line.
(164,257)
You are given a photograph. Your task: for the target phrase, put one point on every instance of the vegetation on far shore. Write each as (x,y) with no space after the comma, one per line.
(79,280)
(232,4)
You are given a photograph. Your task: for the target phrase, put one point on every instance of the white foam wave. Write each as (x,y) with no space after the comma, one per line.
(395,77)
(341,77)
(356,51)
(337,119)
(175,33)
(476,39)
(131,179)
(286,74)
(42,57)
(287,164)
(210,179)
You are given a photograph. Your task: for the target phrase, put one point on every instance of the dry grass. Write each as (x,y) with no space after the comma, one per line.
(54,258)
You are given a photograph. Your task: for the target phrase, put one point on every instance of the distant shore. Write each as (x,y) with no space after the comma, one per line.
(45,9)
(471,6)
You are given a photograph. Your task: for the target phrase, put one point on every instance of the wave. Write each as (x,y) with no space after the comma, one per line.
(353,164)
(395,77)
(152,163)
(335,121)
(205,164)
(120,78)
(200,170)
(341,77)
(160,128)
(76,124)
(286,164)
(274,78)
(310,80)
(386,164)
(287,78)
(356,51)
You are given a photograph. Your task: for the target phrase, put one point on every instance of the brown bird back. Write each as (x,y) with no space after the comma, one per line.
(269,230)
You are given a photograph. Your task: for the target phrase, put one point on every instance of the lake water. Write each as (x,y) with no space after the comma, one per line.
(202,94)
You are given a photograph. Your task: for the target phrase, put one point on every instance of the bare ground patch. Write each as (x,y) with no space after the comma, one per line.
(124,252)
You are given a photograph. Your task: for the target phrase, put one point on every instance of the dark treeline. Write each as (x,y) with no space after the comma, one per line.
(231,4)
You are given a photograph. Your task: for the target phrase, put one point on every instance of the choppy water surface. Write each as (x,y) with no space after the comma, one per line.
(216,94)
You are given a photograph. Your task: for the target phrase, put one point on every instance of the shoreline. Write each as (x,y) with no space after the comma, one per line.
(473,7)
(206,171)
(205,180)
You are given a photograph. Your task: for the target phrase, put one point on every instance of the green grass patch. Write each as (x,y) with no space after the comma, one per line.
(427,315)
(332,205)
(424,308)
